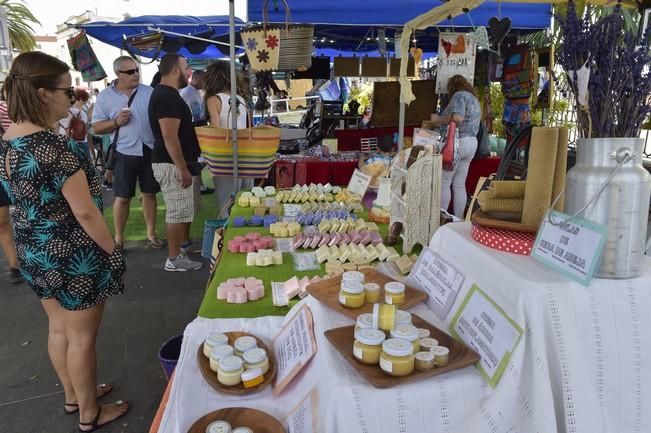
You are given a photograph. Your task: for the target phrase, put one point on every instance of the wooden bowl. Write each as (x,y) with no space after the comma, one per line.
(211,376)
(258,421)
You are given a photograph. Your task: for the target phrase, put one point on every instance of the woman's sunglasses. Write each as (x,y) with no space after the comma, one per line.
(69,90)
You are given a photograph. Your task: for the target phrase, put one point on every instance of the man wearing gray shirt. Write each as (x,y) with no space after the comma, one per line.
(112,113)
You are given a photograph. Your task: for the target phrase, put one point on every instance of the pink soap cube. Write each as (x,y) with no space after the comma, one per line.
(253,236)
(239,239)
(250,248)
(307,240)
(355,237)
(270,242)
(260,244)
(303,283)
(223,289)
(345,238)
(325,239)
(238,282)
(255,293)
(237,296)
(234,247)
(298,240)
(316,240)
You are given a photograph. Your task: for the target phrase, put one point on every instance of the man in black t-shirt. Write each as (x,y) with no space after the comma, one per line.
(174,159)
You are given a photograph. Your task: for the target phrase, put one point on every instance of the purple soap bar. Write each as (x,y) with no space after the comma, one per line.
(239,221)
(256,220)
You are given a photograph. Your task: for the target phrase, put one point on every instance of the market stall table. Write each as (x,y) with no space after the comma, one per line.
(578,367)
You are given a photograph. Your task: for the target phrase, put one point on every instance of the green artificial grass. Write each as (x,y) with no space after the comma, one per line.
(135,229)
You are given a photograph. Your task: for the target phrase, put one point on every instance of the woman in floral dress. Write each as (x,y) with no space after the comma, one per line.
(65,250)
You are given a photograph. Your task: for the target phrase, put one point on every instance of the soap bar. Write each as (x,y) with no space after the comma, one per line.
(414,258)
(322,254)
(334,268)
(334,252)
(239,222)
(344,253)
(239,290)
(383,252)
(393,255)
(371,226)
(349,267)
(404,264)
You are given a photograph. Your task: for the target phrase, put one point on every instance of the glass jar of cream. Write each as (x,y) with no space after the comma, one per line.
(384,317)
(214,339)
(351,294)
(397,357)
(219,352)
(230,371)
(244,343)
(394,293)
(368,345)
(408,333)
(256,358)
(372,291)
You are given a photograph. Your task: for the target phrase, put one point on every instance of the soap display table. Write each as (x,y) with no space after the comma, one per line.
(578,367)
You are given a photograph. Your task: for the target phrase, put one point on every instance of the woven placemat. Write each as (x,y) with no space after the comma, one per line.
(540,175)
(489,204)
(507,189)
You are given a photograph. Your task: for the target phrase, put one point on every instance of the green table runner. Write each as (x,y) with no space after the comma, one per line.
(233,265)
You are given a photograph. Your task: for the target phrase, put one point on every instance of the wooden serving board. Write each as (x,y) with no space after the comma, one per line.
(256,420)
(211,376)
(460,355)
(502,221)
(327,292)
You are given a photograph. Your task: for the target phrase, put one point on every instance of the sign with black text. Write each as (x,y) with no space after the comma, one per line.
(359,183)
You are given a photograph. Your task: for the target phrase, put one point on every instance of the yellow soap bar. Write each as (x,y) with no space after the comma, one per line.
(383,252)
(372,227)
(393,255)
(322,253)
(404,264)
(349,267)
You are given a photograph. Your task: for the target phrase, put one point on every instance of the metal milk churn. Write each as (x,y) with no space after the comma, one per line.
(622,206)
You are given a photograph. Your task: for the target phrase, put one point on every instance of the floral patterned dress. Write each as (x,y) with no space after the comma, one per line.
(57,257)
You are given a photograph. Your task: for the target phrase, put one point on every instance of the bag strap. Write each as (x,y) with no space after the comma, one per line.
(248,114)
(117,131)
(265,16)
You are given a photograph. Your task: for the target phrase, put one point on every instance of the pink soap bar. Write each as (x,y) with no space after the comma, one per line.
(236,281)
(355,237)
(237,296)
(223,289)
(260,244)
(243,247)
(376,238)
(315,240)
(325,239)
(303,283)
(239,239)
(298,240)
(345,238)
(234,247)
(307,240)
(253,236)
(255,293)
(250,248)
(292,287)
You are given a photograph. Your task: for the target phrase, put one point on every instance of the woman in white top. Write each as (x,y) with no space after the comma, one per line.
(217,85)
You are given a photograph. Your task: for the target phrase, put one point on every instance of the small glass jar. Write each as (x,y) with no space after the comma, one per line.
(368,345)
(403,318)
(219,427)
(384,317)
(397,357)
(356,276)
(230,371)
(394,293)
(423,333)
(424,361)
(256,358)
(242,430)
(213,340)
(408,333)
(351,294)
(244,343)
(364,321)
(428,343)
(372,291)
(218,353)
(441,356)
(252,378)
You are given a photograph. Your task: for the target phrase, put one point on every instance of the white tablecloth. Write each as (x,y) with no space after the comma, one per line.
(581,365)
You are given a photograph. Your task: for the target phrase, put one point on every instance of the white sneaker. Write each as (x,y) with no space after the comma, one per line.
(181,264)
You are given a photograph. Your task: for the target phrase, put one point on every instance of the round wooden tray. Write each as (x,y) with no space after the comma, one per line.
(211,376)
(256,420)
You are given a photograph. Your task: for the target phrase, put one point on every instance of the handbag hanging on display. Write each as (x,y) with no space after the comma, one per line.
(449,146)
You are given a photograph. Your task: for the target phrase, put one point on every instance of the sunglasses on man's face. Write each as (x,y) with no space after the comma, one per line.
(130,71)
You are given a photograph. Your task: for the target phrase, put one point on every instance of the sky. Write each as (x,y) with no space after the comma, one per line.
(53,12)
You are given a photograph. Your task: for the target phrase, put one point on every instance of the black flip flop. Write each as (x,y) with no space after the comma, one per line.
(101,387)
(93,424)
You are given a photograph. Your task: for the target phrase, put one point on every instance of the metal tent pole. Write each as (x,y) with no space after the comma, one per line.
(231,19)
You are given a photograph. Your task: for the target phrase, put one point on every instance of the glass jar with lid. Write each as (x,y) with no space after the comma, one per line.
(242,430)
(230,371)
(214,339)
(351,294)
(424,361)
(397,357)
(372,292)
(244,343)
(394,293)
(219,352)
(403,318)
(219,427)
(364,321)
(408,333)
(356,276)
(256,358)
(384,317)
(441,356)
(368,345)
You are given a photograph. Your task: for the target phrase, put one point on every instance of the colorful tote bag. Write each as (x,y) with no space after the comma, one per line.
(256,150)
(84,59)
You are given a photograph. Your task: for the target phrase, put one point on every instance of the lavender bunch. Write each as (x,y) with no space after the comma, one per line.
(620,82)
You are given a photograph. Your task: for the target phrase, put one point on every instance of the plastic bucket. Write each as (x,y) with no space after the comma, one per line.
(169,353)
(209,227)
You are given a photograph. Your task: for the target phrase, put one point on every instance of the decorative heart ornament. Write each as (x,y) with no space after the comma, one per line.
(498,29)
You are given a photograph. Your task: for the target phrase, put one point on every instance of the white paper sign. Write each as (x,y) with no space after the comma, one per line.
(439,279)
(456,57)
(570,246)
(384,192)
(488,330)
(278,294)
(293,347)
(303,418)
(359,183)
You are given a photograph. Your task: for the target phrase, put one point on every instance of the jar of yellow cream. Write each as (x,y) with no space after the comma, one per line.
(384,317)
(364,321)
(244,343)
(256,358)
(355,276)
(403,318)
(230,371)
(441,356)
(408,333)
(397,357)
(351,294)
(424,361)
(372,291)
(368,345)
(219,352)
(428,343)
(394,293)
(252,378)
(214,339)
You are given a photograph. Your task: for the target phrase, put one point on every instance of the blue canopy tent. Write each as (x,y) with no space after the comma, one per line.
(174,27)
